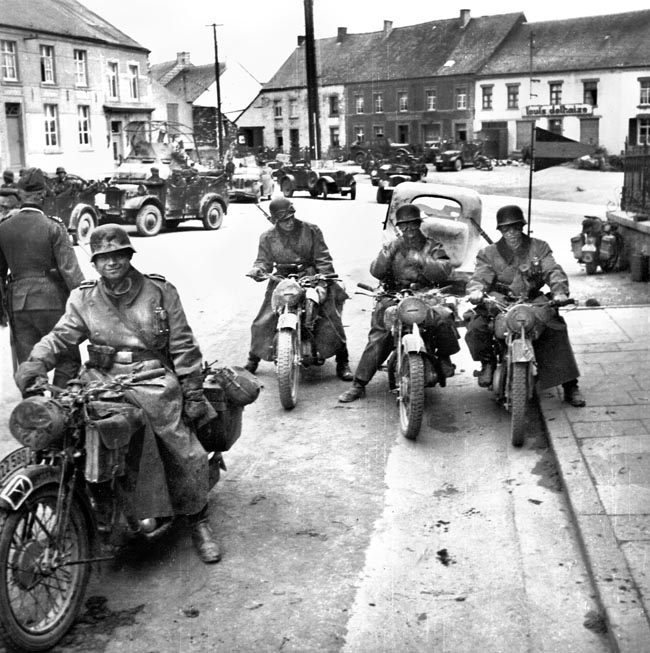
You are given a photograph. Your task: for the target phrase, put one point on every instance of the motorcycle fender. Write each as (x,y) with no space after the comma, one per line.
(288,321)
(522,351)
(588,252)
(24,482)
(412,343)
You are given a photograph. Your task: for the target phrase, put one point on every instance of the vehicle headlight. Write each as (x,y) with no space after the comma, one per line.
(37,422)
(519,316)
(412,310)
(287,293)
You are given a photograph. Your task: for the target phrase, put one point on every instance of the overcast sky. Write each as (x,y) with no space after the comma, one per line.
(261,34)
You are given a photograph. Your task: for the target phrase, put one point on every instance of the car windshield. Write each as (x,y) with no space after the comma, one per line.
(439,207)
(161,142)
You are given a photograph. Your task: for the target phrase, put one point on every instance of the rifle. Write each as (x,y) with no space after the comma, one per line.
(266,215)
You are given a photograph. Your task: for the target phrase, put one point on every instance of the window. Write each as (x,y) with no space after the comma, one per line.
(403,134)
(51,112)
(487,97)
(460,130)
(402,101)
(644,131)
(359,135)
(378,102)
(111,74)
(294,138)
(555,125)
(590,93)
(47,64)
(83,122)
(644,96)
(334,105)
(334,137)
(555,91)
(134,79)
(81,68)
(9,66)
(461,98)
(432,100)
(279,139)
(377,131)
(293,108)
(513,96)
(277,109)
(358,103)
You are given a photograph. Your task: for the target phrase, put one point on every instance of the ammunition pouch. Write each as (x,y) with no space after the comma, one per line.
(101,357)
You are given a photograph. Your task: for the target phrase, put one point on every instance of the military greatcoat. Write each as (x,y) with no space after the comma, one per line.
(36,249)
(499,268)
(305,246)
(173,471)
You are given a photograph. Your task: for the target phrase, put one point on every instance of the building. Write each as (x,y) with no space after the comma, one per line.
(70,82)
(585,78)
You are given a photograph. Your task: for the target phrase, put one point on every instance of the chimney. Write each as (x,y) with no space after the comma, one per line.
(183,58)
(388,27)
(464,17)
(341,34)
(301,40)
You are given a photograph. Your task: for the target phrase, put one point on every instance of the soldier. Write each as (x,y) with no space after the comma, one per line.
(8,179)
(136,322)
(10,200)
(44,269)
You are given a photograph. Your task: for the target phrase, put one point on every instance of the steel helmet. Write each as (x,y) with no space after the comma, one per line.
(281,209)
(109,238)
(407,213)
(510,214)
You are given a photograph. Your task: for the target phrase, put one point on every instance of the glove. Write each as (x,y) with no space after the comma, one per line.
(390,248)
(475,296)
(256,274)
(30,372)
(560,298)
(195,404)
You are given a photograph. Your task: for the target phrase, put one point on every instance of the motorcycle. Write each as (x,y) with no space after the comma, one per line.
(412,366)
(296,300)
(598,244)
(482,162)
(62,506)
(517,324)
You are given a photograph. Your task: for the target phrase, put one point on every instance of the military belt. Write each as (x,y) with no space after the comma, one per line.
(126,356)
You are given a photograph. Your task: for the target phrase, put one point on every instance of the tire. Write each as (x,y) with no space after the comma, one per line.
(28,594)
(287,188)
(359,158)
(288,368)
(353,192)
(313,192)
(149,220)
(439,168)
(518,401)
(458,165)
(591,267)
(212,216)
(85,226)
(411,395)
(172,225)
(382,196)
(323,189)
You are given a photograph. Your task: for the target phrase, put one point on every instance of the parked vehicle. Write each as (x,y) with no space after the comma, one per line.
(186,189)
(296,300)
(516,327)
(455,156)
(77,206)
(250,182)
(413,366)
(598,245)
(482,162)
(60,505)
(389,175)
(323,181)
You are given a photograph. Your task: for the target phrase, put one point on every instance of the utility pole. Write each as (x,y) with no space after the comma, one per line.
(216,73)
(531,47)
(312,82)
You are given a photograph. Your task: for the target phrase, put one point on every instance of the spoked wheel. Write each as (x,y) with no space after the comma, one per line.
(411,395)
(519,392)
(288,368)
(41,587)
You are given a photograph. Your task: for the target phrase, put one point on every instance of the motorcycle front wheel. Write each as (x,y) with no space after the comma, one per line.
(519,392)
(411,395)
(288,368)
(42,586)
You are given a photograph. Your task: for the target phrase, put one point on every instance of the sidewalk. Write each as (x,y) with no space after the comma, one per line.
(603,454)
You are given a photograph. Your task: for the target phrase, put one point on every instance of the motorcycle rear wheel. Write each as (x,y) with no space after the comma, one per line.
(518,400)
(288,368)
(39,601)
(411,395)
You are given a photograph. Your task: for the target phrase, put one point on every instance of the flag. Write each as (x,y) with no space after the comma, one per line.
(552,149)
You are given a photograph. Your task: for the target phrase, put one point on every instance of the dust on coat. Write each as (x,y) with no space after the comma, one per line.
(304,245)
(173,467)
(499,268)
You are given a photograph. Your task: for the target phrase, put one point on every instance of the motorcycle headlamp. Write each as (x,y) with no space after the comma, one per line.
(520,316)
(287,293)
(37,422)
(412,310)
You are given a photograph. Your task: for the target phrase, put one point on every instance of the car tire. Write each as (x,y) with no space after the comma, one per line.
(287,188)
(212,216)
(458,165)
(439,168)
(359,158)
(83,229)
(353,192)
(323,189)
(382,196)
(149,220)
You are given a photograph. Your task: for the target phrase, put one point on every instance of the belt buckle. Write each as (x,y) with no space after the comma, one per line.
(123,357)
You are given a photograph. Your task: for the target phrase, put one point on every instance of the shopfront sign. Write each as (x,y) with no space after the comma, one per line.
(555,110)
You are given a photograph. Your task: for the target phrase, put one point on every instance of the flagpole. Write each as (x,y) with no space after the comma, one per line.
(530,173)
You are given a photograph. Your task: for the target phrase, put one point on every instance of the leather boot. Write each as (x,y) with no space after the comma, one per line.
(206,546)
(447,367)
(354,392)
(344,372)
(252,363)
(572,394)
(486,374)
